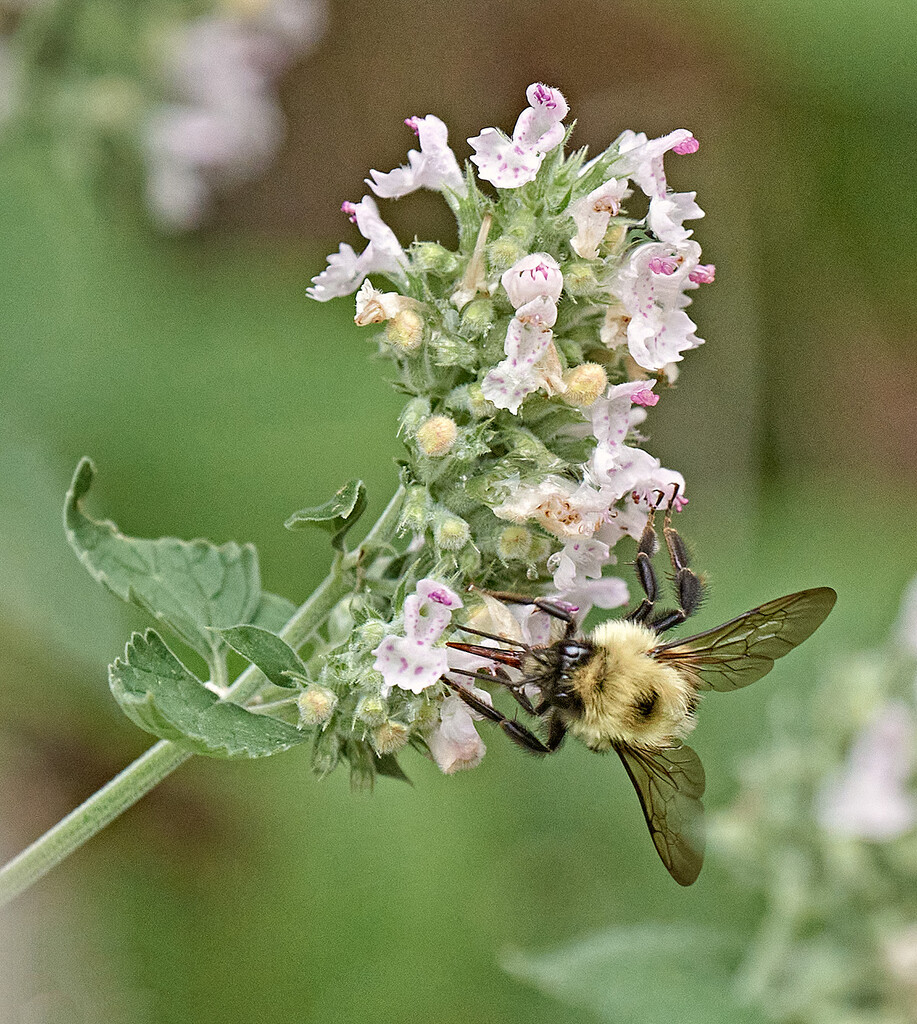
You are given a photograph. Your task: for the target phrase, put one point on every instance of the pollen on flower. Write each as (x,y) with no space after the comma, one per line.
(436,436)
(663,265)
(584,384)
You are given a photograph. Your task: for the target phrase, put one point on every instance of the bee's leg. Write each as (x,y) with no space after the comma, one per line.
(646,574)
(551,608)
(688,586)
(517,733)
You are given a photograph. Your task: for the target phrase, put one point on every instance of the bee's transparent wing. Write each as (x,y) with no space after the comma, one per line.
(670,784)
(745,648)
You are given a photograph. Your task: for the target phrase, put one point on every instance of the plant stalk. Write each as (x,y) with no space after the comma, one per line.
(126,788)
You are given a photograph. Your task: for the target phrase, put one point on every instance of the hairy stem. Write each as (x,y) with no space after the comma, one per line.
(163,758)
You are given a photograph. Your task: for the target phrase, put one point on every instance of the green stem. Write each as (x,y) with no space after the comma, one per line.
(161,760)
(102,807)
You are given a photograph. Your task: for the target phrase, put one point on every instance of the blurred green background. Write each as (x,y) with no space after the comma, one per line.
(215,399)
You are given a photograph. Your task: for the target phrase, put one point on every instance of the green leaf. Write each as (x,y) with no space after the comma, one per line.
(188,586)
(388,765)
(643,974)
(273,613)
(336,516)
(158,693)
(266,651)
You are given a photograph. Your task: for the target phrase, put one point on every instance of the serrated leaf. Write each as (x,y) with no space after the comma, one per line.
(690,968)
(273,612)
(336,516)
(158,693)
(266,651)
(188,586)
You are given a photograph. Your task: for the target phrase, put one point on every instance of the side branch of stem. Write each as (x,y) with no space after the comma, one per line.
(164,757)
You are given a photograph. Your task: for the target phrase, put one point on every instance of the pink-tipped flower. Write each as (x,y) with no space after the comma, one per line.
(434,167)
(531,277)
(411,662)
(687,146)
(663,265)
(509,163)
(703,273)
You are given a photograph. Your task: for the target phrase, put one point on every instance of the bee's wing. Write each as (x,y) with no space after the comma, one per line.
(670,784)
(745,648)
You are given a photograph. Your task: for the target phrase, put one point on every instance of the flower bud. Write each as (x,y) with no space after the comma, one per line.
(372,709)
(316,703)
(474,401)
(389,737)
(431,257)
(449,350)
(503,252)
(585,383)
(370,634)
(468,560)
(416,510)
(450,532)
(532,277)
(413,414)
(405,330)
(362,766)
(541,549)
(326,753)
(436,436)
(522,225)
(478,317)
(580,279)
(514,543)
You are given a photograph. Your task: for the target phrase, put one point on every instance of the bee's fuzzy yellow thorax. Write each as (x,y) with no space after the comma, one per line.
(628,696)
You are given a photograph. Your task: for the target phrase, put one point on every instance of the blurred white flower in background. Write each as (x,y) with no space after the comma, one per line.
(223,124)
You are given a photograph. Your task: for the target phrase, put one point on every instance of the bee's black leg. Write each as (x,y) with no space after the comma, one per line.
(548,607)
(525,738)
(689,588)
(646,574)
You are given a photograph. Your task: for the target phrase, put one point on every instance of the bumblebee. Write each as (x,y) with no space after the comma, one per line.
(622,688)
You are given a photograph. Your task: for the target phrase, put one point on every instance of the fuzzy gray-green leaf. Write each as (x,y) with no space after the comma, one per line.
(336,516)
(266,651)
(158,693)
(643,974)
(273,613)
(188,586)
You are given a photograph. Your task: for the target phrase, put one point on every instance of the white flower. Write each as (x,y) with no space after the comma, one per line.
(374,307)
(434,167)
(905,630)
(580,559)
(531,359)
(534,276)
(651,287)
(346,270)
(592,213)
(559,506)
(641,159)
(454,742)
(868,798)
(509,163)
(668,213)
(411,662)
